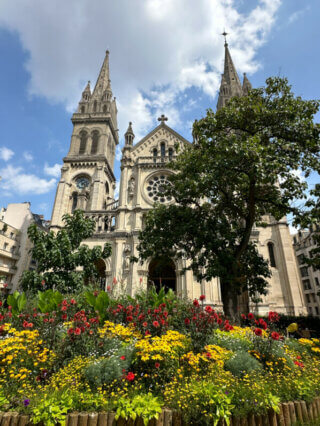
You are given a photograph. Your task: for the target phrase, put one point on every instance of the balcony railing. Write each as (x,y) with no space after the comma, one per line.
(105,221)
(158,160)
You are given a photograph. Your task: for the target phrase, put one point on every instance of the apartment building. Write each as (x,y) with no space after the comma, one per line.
(15,255)
(304,243)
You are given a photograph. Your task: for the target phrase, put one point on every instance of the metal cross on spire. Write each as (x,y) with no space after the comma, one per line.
(224,34)
(163,118)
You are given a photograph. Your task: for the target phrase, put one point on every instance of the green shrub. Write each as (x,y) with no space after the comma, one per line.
(242,363)
(231,342)
(106,370)
(145,406)
(52,409)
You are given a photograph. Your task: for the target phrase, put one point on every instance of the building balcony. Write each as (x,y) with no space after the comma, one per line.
(8,254)
(11,270)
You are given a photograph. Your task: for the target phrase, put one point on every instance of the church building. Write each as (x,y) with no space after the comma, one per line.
(88,183)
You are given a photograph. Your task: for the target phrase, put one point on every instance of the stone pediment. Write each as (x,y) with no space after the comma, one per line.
(161,133)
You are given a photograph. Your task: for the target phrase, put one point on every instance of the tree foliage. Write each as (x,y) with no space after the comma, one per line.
(61,261)
(241,171)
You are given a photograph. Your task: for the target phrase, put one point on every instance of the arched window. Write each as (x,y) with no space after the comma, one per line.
(155,153)
(83,142)
(74,201)
(95,140)
(94,106)
(170,151)
(271,255)
(163,149)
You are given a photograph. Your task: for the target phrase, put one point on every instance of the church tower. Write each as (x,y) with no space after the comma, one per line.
(273,241)
(87,179)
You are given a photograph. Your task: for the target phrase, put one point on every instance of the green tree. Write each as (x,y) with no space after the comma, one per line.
(62,262)
(242,166)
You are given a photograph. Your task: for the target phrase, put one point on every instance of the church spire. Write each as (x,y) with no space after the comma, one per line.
(246,85)
(129,135)
(103,84)
(230,82)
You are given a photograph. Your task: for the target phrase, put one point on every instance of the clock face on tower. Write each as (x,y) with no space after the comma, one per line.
(82,182)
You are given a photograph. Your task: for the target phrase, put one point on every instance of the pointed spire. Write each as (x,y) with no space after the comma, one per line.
(230,82)
(103,83)
(129,135)
(86,94)
(246,85)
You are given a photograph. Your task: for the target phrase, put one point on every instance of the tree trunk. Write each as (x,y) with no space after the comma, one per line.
(229,299)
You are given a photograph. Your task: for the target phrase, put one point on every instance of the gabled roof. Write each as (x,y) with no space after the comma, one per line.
(154,131)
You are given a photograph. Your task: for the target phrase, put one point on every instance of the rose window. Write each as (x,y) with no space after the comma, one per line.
(156,188)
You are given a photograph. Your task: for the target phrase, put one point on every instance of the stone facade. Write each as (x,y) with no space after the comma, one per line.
(310,276)
(15,245)
(87,182)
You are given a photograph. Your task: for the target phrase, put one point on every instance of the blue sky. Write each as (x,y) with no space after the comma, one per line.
(166,56)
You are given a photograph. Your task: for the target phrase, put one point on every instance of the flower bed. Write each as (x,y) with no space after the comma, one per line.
(97,353)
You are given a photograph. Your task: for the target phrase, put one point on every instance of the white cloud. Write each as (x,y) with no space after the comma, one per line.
(116,191)
(6,153)
(14,180)
(297,15)
(159,48)
(54,170)
(27,156)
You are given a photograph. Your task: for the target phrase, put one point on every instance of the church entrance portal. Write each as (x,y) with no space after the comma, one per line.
(162,274)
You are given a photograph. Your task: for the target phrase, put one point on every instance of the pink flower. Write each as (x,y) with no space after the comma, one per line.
(145,324)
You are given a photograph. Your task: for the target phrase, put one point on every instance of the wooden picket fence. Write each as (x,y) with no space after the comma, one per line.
(291,413)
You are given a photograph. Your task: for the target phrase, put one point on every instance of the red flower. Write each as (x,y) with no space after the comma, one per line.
(130,376)
(64,308)
(275,335)
(140,280)
(95,293)
(73,302)
(77,331)
(187,321)
(157,364)
(208,355)
(114,281)
(298,357)
(25,324)
(243,316)
(64,317)
(108,288)
(0,303)
(122,357)
(5,285)
(202,297)
(219,321)
(250,316)
(195,302)
(208,309)
(70,331)
(273,316)
(263,324)
(65,303)
(156,324)
(30,324)
(129,318)
(147,333)
(145,324)
(258,331)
